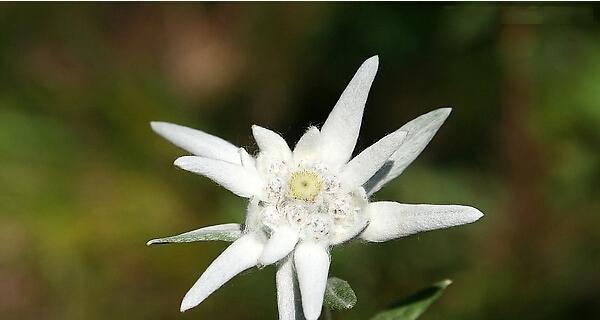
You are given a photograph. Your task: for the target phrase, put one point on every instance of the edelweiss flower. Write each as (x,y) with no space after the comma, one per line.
(304,201)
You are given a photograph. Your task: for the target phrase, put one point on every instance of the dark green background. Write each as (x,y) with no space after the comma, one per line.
(84,182)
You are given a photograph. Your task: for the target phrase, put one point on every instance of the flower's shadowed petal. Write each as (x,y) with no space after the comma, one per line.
(288,293)
(312,266)
(281,243)
(391,220)
(362,167)
(222,232)
(340,131)
(419,132)
(306,148)
(197,142)
(239,256)
(240,180)
(269,142)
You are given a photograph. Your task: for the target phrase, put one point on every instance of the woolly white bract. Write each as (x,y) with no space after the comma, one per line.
(304,201)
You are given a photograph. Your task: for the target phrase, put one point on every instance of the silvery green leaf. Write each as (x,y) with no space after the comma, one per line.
(413,306)
(221,232)
(339,295)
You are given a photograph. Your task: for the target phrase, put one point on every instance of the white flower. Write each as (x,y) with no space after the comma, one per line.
(304,201)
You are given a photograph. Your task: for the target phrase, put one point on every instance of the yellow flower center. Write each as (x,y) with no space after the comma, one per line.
(304,185)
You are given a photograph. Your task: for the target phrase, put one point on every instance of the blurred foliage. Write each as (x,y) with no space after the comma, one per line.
(85,183)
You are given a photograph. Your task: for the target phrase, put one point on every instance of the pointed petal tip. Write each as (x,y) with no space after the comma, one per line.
(438,115)
(372,62)
(189,302)
(269,141)
(471,214)
(157,125)
(185,160)
(186,305)
(257,129)
(442,112)
(179,162)
(475,214)
(312,315)
(373,59)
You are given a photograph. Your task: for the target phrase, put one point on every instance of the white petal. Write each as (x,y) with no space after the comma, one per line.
(197,142)
(271,143)
(340,130)
(306,147)
(312,267)
(235,178)
(391,220)
(247,160)
(281,243)
(365,165)
(239,256)
(419,132)
(288,294)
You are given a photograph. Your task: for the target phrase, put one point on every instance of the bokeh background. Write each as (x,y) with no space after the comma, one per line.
(85,183)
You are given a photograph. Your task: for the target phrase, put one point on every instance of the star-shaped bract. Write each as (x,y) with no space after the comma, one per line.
(304,201)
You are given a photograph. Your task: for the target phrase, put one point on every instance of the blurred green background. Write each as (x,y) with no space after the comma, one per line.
(85,183)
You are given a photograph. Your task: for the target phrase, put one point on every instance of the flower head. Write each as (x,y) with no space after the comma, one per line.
(306,200)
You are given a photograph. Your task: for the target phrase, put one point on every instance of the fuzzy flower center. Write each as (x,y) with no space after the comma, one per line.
(304,185)
(310,198)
